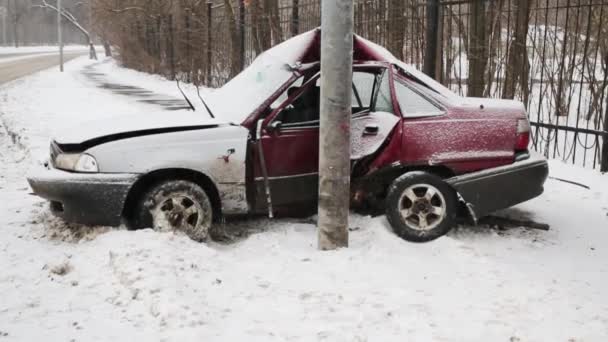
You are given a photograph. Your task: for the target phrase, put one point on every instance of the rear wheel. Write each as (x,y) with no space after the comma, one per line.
(176,206)
(421,207)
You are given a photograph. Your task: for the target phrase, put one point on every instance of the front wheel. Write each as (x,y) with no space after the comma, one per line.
(176,206)
(421,207)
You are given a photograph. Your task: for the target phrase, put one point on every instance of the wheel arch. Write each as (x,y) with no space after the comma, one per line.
(148,180)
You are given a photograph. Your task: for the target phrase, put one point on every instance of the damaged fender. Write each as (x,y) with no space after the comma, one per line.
(217,152)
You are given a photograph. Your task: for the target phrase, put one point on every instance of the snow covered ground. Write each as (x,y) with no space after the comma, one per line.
(39,49)
(62,283)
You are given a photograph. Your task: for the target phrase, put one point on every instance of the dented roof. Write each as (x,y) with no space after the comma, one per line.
(246,92)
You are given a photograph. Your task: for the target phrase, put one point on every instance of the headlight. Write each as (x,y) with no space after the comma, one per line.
(76,162)
(86,163)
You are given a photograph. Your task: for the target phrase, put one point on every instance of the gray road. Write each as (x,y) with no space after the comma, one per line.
(15,69)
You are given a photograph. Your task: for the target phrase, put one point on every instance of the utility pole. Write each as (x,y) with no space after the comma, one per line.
(334,135)
(3,15)
(59,35)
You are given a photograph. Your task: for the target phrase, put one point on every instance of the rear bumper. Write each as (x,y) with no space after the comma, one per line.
(92,199)
(489,190)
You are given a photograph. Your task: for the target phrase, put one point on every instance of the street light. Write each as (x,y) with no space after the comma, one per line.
(3,14)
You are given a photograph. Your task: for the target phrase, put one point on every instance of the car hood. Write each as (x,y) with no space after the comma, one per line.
(121,127)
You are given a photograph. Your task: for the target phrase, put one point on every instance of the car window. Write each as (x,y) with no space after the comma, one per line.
(383,98)
(285,95)
(363,88)
(413,104)
(304,109)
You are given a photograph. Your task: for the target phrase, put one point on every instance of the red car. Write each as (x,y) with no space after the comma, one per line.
(419,152)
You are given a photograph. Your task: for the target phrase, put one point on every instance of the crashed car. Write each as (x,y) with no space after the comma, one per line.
(420,153)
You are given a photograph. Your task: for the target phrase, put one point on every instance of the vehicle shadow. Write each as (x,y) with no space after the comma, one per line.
(511,222)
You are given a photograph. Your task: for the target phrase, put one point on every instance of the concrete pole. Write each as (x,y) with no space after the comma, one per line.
(59,35)
(334,137)
(3,14)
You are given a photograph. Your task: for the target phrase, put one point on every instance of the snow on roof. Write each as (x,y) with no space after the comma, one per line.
(246,92)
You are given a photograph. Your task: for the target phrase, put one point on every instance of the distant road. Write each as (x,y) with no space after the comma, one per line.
(24,54)
(14,69)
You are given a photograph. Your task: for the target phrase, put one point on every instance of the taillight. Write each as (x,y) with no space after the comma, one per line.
(523,135)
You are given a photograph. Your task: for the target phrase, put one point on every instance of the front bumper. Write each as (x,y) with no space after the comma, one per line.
(498,188)
(92,199)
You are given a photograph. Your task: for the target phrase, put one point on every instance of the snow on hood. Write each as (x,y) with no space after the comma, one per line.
(246,92)
(134,123)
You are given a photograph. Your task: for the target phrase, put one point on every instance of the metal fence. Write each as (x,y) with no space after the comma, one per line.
(550,54)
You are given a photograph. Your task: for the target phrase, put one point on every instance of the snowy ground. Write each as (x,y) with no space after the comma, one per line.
(40,49)
(98,284)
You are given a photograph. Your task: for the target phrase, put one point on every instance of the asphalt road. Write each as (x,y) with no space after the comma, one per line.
(18,68)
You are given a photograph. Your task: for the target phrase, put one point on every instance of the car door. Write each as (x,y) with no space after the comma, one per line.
(289,139)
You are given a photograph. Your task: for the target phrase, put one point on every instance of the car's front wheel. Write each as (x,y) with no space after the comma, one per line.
(421,207)
(176,206)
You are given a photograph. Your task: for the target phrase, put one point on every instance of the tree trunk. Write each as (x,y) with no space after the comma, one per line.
(235,58)
(255,25)
(478,50)
(396,27)
(516,62)
(272,7)
(295,18)
(107,49)
(334,137)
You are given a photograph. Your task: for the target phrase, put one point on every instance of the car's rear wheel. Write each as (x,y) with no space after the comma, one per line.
(176,206)
(421,207)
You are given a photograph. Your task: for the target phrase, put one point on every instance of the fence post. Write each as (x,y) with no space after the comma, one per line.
(604,162)
(432,28)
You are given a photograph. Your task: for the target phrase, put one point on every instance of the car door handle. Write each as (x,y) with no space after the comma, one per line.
(371,130)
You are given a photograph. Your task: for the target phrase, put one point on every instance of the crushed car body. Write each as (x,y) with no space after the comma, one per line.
(419,152)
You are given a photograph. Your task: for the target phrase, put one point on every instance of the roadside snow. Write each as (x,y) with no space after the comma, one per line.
(62,282)
(41,48)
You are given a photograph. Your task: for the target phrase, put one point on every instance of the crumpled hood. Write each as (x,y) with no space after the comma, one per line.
(135,125)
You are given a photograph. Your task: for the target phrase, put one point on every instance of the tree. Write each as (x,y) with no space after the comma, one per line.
(71,19)
(16,10)
(478,49)
(518,58)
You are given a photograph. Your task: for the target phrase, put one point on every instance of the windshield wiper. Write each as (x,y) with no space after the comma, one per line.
(184,95)
(198,91)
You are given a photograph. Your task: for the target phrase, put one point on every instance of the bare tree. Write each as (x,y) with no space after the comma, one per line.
(71,19)
(16,10)
(517,60)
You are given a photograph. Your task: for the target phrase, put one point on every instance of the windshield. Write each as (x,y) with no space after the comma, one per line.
(249,89)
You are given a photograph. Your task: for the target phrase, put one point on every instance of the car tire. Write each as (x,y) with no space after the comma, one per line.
(421,207)
(176,205)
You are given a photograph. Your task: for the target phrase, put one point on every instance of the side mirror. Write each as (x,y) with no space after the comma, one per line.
(275,126)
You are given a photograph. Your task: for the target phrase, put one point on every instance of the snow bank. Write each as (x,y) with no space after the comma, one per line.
(40,49)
